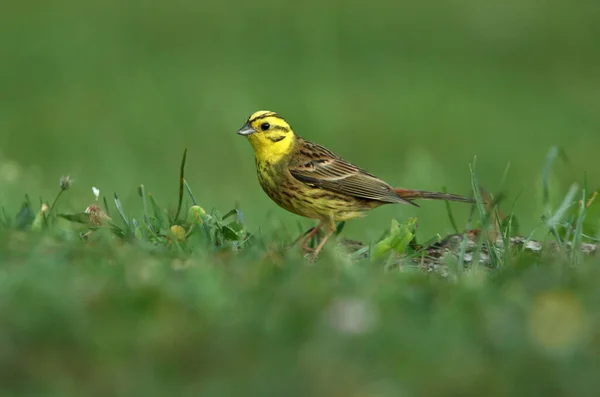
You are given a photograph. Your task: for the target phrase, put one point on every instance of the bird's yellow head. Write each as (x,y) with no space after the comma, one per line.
(271,136)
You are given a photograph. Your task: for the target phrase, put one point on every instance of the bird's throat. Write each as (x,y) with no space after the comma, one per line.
(267,151)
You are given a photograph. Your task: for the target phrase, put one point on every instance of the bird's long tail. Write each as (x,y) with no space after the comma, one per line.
(410,195)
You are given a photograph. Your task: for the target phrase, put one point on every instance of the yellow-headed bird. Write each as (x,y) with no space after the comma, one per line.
(309,180)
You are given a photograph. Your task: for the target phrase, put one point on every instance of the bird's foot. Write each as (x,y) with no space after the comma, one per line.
(311,257)
(310,254)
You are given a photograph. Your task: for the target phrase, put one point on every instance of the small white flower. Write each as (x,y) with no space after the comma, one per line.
(96,192)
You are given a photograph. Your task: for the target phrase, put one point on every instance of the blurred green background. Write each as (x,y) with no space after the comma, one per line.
(112,92)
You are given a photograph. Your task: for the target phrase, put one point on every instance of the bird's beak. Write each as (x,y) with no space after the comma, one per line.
(246,130)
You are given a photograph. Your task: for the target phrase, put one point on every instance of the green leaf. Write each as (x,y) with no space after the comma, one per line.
(237,226)
(196,215)
(138,231)
(233,231)
(25,216)
(159,213)
(590,227)
(120,210)
(339,227)
(398,239)
(154,225)
(39,222)
(239,215)
(81,217)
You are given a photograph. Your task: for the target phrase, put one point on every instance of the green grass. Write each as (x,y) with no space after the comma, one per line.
(112,92)
(130,305)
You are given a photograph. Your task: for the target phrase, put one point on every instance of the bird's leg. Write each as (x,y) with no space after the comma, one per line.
(302,236)
(310,235)
(330,230)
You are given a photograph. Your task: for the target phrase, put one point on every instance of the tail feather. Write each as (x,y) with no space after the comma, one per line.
(409,195)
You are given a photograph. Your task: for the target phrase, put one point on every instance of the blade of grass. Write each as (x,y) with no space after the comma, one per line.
(181,183)
(120,210)
(106,206)
(359,252)
(508,231)
(578,232)
(564,206)
(555,219)
(553,153)
(142,193)
(189,190)
(449,212)
(239,214)
(593,239)
(485,222)
(159,213)
(424,248)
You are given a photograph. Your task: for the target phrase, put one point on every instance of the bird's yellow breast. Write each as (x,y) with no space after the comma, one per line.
(304,200)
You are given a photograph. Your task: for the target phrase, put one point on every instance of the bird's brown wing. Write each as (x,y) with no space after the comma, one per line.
(318,167)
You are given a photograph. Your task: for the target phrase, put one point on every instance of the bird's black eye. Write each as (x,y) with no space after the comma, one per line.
(265,126)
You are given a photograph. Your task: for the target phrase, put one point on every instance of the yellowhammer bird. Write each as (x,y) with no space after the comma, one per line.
(309,180)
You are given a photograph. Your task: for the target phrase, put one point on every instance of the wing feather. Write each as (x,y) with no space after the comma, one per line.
(318,167)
